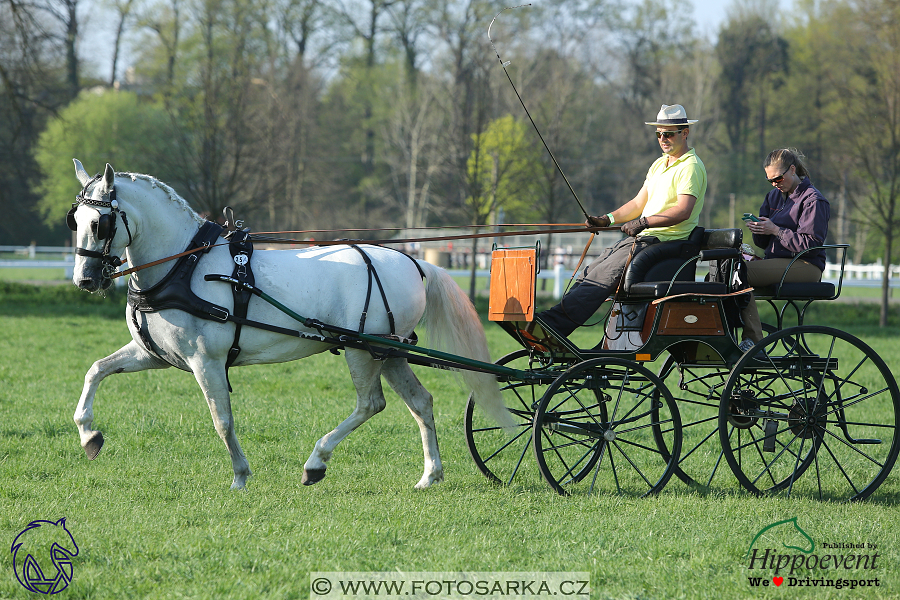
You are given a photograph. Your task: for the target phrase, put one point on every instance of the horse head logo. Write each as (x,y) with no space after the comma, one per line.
(36,548)
(783,532)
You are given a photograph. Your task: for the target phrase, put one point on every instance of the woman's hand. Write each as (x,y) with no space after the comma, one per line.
(763,227)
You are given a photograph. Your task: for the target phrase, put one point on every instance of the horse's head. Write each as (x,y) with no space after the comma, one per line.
(94,216)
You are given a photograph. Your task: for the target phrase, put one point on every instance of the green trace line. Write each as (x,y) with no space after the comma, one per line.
(491,367)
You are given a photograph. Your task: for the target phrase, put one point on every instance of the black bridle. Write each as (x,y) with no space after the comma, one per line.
(104,228)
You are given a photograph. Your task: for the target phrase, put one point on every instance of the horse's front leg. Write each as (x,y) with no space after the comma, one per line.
(128,359)
(213,381)
(366,375)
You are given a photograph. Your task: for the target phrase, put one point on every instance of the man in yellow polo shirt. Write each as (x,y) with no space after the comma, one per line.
(667,208)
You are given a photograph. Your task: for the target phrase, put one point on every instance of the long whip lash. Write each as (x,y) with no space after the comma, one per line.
(262,237)
(533,124)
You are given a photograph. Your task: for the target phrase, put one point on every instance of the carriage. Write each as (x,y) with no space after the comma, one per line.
(809,411)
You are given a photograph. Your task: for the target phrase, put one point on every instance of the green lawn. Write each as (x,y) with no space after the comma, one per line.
(154,518)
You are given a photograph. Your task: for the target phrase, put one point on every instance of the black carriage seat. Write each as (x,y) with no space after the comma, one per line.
(651,273)
(672,267)
(821,290)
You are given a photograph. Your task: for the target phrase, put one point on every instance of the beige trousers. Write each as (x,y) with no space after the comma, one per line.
(769,272)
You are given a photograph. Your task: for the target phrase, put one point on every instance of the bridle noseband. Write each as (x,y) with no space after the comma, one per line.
(104,228)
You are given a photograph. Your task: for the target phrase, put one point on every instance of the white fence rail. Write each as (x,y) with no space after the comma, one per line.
(854,275)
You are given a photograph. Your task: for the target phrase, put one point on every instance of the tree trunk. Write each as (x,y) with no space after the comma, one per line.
(71,56)
(124,13)
(472,268)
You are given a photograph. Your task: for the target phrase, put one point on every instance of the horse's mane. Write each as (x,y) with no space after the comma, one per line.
(173,195)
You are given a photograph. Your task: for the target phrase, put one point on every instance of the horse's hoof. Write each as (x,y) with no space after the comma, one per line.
(426,482)
(311,476)
(93,445)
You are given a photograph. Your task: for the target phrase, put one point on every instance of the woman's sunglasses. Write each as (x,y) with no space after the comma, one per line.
(780,178)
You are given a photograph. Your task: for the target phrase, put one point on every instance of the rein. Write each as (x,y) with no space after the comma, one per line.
(344,242)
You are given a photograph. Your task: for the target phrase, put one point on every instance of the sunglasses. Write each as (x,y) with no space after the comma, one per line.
(667,134)
(780,178)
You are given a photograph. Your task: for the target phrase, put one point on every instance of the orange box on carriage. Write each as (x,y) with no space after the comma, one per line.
(513,273)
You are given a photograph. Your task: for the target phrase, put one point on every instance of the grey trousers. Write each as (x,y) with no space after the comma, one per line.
(594,285)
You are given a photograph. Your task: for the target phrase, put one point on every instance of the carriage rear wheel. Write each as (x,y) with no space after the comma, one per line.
(499,454)
(818,416)
(697,389)
(594,430)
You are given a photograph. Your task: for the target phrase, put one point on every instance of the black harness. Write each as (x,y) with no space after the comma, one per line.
(174,292)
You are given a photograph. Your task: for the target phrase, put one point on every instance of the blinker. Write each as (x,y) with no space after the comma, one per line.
(101,227)
(70,217)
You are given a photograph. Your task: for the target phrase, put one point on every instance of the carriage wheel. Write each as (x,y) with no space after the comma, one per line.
(497,453)
(697,390)
(594,430)
(818,417)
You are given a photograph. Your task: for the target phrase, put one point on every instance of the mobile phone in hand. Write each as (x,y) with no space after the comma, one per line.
(749,217)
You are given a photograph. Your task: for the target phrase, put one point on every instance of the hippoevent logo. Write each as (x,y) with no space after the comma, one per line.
(42,556)
(783,554)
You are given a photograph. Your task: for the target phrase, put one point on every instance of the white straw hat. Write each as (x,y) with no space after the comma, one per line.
(672,115)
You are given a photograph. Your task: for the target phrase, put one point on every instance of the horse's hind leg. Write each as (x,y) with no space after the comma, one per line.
(128,359)
(212,380)
(419,401)
(366,375)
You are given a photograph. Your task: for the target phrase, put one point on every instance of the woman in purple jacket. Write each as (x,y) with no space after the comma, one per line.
(794,217)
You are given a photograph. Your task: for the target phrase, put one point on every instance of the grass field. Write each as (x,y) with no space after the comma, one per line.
(154,518)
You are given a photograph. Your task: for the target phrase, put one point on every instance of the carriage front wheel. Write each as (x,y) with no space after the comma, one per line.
(594,430)
(818,415)
(502,455)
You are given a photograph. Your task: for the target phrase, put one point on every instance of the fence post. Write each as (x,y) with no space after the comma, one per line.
(557,280)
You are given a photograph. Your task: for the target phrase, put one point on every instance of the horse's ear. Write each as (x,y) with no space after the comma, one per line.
(80,173)
(109,177)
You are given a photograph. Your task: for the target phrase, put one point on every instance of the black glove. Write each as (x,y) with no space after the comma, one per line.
(632,228)
(602,221)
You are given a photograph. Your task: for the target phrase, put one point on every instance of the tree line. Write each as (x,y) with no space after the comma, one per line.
(337,114)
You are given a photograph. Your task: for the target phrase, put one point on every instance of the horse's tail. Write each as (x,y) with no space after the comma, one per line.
(454,327)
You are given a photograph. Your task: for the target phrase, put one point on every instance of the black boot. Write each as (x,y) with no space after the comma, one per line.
(575,308)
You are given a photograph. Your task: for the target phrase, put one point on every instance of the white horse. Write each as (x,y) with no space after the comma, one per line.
(326,283)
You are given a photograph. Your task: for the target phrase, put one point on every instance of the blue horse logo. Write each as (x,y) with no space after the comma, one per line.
(36,548)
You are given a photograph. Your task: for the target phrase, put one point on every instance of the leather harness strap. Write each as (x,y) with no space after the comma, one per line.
(241,251)
(373,274)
